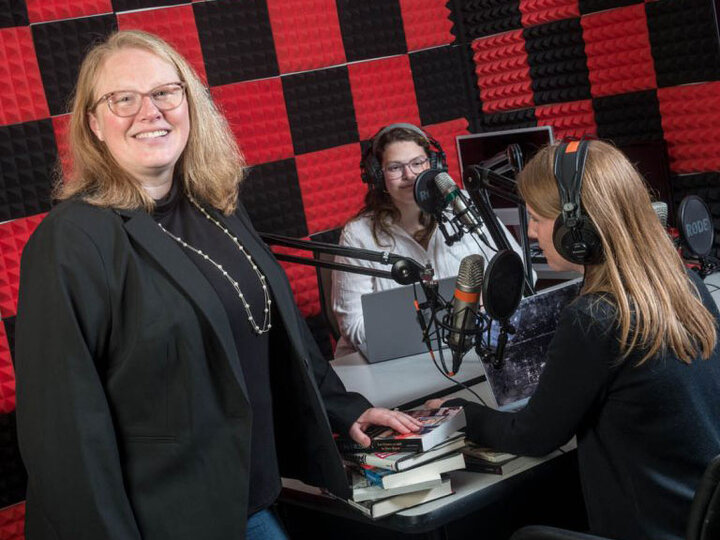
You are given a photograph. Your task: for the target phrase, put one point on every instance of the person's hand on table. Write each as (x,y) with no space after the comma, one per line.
(376,416)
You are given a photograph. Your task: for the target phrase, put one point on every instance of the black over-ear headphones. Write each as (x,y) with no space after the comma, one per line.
(574,235)
(371,169)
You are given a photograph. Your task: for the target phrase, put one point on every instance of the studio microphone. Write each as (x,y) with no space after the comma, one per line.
(464,306)
(661,211)
(460,207)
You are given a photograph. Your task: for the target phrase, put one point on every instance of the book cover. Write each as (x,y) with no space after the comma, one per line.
(391,505)
(488,467)
(400,461)
(422,473)
(364,490)
(486,454)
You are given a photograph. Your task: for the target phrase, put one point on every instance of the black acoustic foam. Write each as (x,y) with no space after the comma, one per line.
(626,118)
(371,29)
(13,13)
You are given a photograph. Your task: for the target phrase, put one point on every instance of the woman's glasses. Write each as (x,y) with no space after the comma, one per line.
(395,169)
(125,103)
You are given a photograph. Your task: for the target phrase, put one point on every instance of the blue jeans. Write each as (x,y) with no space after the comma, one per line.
(264,525)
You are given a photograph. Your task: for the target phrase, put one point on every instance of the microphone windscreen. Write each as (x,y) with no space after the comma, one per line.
(470,274)
(661,210)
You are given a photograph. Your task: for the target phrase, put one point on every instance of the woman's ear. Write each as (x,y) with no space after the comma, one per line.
(95,126)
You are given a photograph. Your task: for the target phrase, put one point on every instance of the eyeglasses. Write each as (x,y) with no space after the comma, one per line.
(125,103)
(395,169)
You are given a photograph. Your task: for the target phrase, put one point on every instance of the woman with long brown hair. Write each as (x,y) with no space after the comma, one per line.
(633,369)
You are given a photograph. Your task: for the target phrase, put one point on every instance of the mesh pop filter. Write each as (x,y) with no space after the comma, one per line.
(503,284)
(696,225)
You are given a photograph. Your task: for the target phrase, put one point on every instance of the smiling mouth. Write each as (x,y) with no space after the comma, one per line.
(152,134)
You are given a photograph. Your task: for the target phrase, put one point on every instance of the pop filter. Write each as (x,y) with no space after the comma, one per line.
(696,226)
(503,284)
(426,193)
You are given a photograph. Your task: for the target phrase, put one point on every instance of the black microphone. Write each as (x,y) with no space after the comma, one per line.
(460,207)
(464,307)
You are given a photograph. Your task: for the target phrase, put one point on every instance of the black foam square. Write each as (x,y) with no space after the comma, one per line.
(591,6)
(479,18)
(521,118)
(320,109)
(558,65)
(9,323)
(13,478)
(683,41)
(60,47)
(236,40)
(271,194)
(442,80)
(13,13)
(626,118)
(128,5)
(28,154)
(371,29)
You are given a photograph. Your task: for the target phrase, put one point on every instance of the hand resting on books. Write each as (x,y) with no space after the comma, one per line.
(376,416)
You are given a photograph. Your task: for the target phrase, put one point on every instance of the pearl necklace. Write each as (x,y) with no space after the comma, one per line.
(268,301)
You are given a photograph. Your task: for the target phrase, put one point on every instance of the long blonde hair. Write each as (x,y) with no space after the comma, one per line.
(658,307)
(210,168)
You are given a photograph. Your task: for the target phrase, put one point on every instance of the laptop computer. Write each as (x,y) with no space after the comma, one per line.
(391,327)
(535,321)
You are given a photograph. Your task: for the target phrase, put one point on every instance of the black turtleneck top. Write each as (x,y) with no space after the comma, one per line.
(180,217)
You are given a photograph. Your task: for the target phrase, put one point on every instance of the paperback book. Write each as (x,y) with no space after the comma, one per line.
(484,460)
(387,479)
(379,508)
(364,490)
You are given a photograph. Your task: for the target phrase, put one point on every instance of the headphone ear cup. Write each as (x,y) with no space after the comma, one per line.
(580,244)
(371,172)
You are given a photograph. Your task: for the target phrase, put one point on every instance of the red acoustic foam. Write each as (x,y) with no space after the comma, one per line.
(543,11)
(332,191)
(383,93)
(427,24)
(306,34)
(22,97)
(53,10)
(303,281)
(257,115)
(13,237)
(61,127)
(691,122)
(445,133)
(12,522)
(7,375)
(571,120)
(503,73)
(617,45)
(176,25)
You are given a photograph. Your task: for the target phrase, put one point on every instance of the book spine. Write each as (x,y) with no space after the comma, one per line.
(488,468)
(397,445)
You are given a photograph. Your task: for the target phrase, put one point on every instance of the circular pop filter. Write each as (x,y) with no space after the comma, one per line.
(427,195)
(503,284)
(696,225)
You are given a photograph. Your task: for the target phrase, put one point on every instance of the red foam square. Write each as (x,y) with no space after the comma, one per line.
(332,191)
(306,34)
(53,10)
(7,375)
(303,281)
(543,11)
(691,122)
(12,522)
(427,24)
(571,120)
(258,117)
(617,45)
(176,25)
(503,72)
(445,133)
(383,93)
(22,96)
(13,237)
(61,127)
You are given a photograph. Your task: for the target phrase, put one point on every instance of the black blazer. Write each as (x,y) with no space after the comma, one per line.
(132,409)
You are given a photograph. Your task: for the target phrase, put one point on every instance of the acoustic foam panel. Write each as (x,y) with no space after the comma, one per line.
(13,13)
(237,40)
(440,76)
(60,48)
(22,97)
(52,10)
(303,281)
(617,46)
(502,71)
(320,109)
(306,34)
(61,126)
(382,93)
(371,29)
(7,371)
(27,157)
(128,5)
(444,134)
(12,522)
(13,478)
(684,39)
(332,191)
(571,120)
(176,25)
(631,117)
(479,18)
(520,118)
(257,115)
(558,66)
(590,6)
(271,195)
(544,11)
(426,24)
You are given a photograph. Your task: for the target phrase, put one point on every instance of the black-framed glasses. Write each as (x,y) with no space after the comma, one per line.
(124,103)
(395,169)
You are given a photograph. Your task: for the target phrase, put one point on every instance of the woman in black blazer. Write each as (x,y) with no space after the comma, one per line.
(165,377)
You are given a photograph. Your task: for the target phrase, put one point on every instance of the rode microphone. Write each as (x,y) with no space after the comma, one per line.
(464,306)
(661,211)
(460,206)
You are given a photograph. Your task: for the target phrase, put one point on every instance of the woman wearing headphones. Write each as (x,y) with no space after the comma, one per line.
(392,221)
(633,369)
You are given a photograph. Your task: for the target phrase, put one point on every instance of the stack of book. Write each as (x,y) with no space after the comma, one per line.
(399,471)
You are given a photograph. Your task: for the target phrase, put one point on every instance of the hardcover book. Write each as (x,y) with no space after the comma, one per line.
(400,461)
(391,505)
